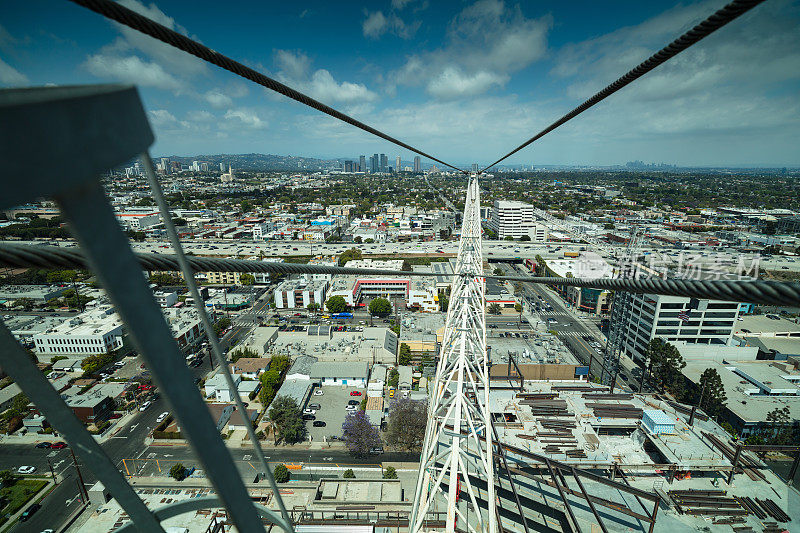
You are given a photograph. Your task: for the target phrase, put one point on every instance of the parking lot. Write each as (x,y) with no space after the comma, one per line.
(332,411)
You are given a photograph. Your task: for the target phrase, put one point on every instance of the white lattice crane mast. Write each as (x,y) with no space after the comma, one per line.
(458,440)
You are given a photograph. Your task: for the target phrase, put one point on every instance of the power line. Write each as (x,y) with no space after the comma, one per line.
(719,19)
(134,20)
(755,291)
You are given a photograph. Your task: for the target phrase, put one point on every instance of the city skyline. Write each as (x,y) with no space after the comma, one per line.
(454,80)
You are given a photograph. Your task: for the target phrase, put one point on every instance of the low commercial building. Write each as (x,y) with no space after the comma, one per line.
(405,373)
(371,345)
(377,380)
(229,418)
(91,407)
(37,293)
(93,332)
(331,373)
(185,324)
(753,390)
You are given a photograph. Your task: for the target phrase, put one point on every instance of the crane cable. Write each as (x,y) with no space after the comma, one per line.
(719,19)
(123,15)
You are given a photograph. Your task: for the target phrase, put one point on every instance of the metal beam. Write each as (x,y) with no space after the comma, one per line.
(459,417)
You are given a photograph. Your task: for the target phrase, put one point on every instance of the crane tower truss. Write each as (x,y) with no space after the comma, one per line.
(458,439)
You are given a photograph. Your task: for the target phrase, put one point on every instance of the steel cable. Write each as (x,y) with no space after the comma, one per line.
(719,19)
(750,291)
(123,15)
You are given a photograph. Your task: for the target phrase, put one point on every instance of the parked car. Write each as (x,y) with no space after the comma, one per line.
(309,417)
(376,451)
(314,406)
(144,406)
(29,512)
(309,411)
(162,417)
(26,469)
(355,393)
(351,407)
(59,445)
(319,424)
(353,402)
(43,445)
(318,392)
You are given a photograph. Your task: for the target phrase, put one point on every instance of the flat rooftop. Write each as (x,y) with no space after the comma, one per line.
(760,325)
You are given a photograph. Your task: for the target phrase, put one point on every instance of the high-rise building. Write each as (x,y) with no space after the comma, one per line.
(204,167)
(376,161)
(397,164)
(511,218)
(650,315)
(362,164)
(384,163)
(165,164)
(348,166)
(474,167)
(195,166)
(417,164)
(222,167)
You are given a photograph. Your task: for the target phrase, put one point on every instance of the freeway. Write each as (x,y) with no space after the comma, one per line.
(156,460)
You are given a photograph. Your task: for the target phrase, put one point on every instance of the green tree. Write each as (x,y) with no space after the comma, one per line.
(780,426)
(351,254)
(281,473)
(245,352)
(288,419)
(348,474)
(178,472)
(313,307)
(508,238)
(444,302)
(336,304)
(525,238)
(380,307)
(406,426)
(609,225)
(25,303)
(178,222)
(495,309)
(712,393)
(498,271)
(137,236)
(389,473)
(394,378)
(404,356)
(247,279)
(666,363)
(246,205)
(7,478)
(222,324)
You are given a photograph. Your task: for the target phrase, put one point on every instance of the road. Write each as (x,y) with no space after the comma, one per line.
(157,460)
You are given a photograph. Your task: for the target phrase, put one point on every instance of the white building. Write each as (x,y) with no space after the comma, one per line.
(216,387)
(650,316)
(166,299)
(139,218)
(300,292)
(93,332)
(511,218)
(334,373)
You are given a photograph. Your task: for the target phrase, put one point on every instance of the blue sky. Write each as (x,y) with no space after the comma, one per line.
(464,80)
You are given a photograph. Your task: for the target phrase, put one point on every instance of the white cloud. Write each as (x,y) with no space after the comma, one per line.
(137,58)
(131,69)
(486,43)
(216,98)
(400,4)
(11,77)
(376,24)
(453,83)
(244,118)
(321,85)
(162,118)
(200,116)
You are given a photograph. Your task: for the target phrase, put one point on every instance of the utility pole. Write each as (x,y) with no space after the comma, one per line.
(81,485)
(52,472)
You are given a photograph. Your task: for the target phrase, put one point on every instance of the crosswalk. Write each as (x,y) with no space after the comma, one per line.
(576,334)
(553,314)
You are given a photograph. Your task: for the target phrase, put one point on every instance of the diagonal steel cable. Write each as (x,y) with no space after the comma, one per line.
(123,15)
(719,19)
(188,275)
(779,293)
